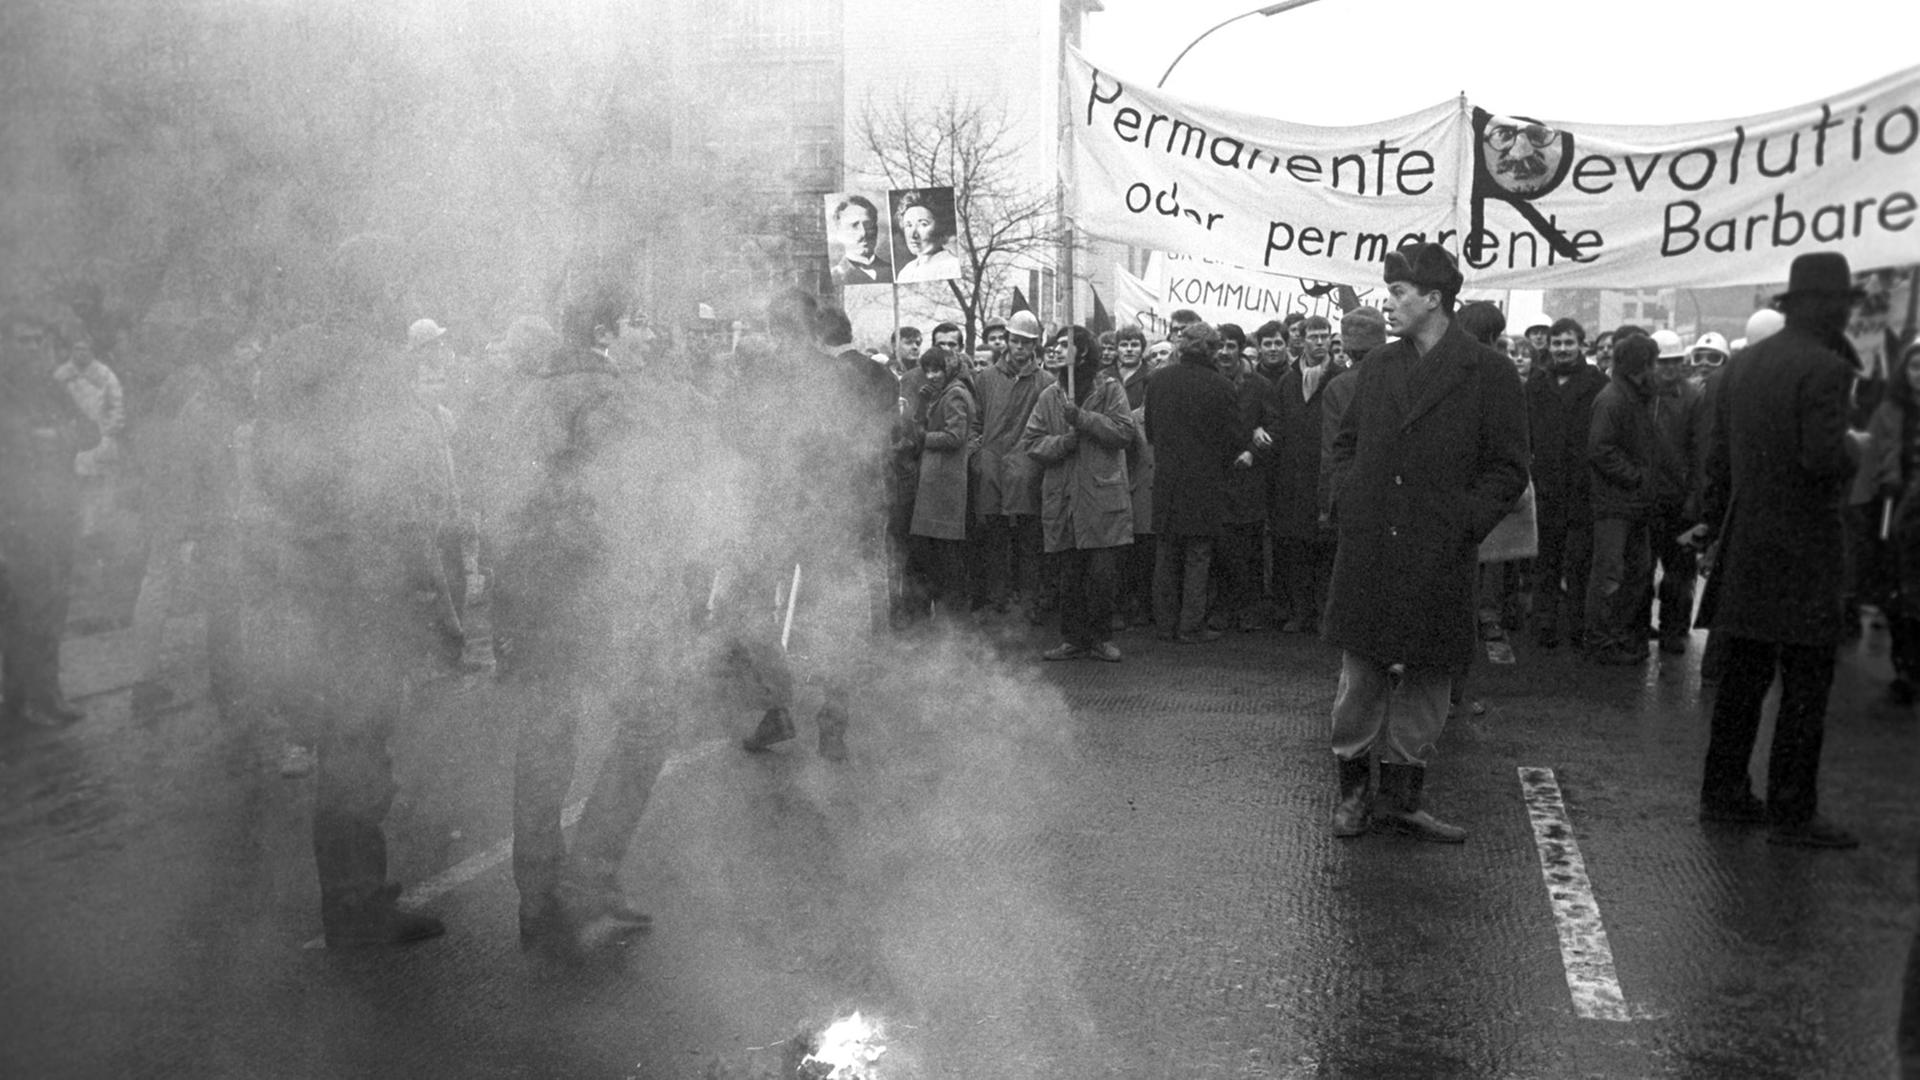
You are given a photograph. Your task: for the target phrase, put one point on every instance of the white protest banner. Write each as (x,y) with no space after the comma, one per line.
(1136,304)
(1149,169)
(1691,205)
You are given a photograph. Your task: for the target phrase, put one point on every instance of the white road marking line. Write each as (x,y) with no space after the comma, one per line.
(1583,941)
(480,862)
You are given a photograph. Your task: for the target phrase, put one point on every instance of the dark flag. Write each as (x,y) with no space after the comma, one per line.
(1019,301)
(1101,322)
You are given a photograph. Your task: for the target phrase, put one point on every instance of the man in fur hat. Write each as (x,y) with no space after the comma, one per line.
(1429,456)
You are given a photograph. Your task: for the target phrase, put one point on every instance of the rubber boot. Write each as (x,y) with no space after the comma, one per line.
(1398,809)
(1356,780)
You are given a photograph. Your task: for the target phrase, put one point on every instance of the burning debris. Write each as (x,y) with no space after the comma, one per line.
(849,1049)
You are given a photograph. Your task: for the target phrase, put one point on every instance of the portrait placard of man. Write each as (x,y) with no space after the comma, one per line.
(924,223)
(857,240)
(1517,160)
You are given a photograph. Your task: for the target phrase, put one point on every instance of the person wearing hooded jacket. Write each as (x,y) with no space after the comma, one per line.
(1623,453)
(1080,438)
(940,497)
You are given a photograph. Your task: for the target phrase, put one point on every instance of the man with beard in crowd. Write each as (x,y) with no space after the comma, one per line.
(1303,546)
(351,464)
(1560,415)
(1621,452)
(1192,421)
(1429,457)
(41,430)
(1778,462)
(1005,483)
(1079,432)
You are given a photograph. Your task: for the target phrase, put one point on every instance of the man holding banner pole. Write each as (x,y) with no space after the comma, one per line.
(1429,456)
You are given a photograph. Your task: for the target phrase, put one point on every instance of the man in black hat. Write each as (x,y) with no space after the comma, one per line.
(1430,455)
(1777,468)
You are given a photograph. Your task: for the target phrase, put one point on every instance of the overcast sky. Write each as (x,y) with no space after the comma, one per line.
(1608,61)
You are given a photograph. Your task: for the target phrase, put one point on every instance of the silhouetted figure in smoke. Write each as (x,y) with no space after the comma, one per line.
(815,431)
(41,430)
(560,606)
(354,470)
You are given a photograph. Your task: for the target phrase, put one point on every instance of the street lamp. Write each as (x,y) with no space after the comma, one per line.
(1270,9)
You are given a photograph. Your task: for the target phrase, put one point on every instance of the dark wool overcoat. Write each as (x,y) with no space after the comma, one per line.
(1194,426)
(1560,417)
(1779,458)
(1430,456)
(1298,447)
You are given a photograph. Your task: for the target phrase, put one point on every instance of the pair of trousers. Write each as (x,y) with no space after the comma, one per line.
(1617,587)
(1088,577)
(1180,566)
(1307,566)
(1562,568)
(1236,565)
(1793,765)
(1679,571)
(359,595)
(1136,576)
(1402,716)
(33,611)
(543,774)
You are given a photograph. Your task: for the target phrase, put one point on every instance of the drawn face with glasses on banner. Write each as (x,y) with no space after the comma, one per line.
(1523,157)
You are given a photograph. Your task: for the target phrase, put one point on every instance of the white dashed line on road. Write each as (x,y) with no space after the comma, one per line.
(1583,940)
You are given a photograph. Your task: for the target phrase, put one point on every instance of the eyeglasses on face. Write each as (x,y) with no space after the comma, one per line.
(1502,136)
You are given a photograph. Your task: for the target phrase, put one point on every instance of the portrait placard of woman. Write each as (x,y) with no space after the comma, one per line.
(923,223)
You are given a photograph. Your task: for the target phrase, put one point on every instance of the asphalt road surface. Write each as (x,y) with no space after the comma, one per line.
(1026,870)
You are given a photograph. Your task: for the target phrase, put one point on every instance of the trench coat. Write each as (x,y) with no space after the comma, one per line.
(940,500)
(1005,482)
(1778,467)
(1083,490)
(1430,456)
(1193,422)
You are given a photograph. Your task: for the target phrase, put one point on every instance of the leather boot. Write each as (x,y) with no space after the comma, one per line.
(1356,779)
(775,727)
(1398,809)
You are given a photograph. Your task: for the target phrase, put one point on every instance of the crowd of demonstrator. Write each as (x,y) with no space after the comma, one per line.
(352,490)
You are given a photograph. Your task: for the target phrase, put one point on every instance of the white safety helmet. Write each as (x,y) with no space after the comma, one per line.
(1671,347)
(1023,324)
(1763,324)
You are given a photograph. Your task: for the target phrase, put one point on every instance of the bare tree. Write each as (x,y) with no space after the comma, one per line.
(1003,217)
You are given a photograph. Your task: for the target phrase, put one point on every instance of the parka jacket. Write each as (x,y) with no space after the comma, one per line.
(1005,482)
(940,501)
(1623,452)
(1083,491)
